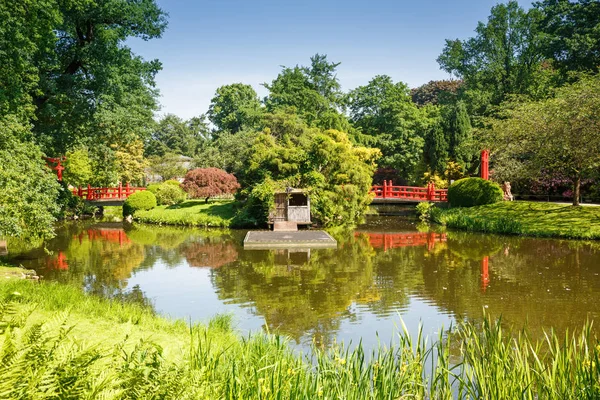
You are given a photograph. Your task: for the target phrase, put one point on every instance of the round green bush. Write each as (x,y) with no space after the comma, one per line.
(469,192)
(168,194)
(153,187)
(145,200)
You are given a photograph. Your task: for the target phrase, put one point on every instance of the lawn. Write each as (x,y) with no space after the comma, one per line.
(527,218)
(216,213)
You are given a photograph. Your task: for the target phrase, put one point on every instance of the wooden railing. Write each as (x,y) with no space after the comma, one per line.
(106,193)
(411,193)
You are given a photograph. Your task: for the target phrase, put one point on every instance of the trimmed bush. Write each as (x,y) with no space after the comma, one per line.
(471,192)
(153,187)
(169,194)
(172,182)
(145,200)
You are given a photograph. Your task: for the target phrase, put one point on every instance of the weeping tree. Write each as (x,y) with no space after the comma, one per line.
(561,134)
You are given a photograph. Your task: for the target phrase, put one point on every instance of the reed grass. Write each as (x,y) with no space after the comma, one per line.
(85,352)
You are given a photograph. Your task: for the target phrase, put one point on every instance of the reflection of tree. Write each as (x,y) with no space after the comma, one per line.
(210,253)
(299,299)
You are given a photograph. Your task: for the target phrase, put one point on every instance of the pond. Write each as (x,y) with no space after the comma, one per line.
(384,272)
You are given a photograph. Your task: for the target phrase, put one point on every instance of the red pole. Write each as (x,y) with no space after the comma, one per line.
(120,190)
(89,192)
(485,274)
(127,190)
(485,164)
(80,192)
(384,188)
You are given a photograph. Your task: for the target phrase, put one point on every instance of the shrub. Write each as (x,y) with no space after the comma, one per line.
(145,200)
(172,182)
(209,182)
(153,187)
(169,194)
(471,192)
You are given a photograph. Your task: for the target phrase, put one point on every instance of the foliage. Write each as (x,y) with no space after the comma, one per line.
(428,211)
(145,200)
(191,213)
(503,58)
(558,134)
(228,151)
(435,92)
(571,34)
(168,166)
(336,174)
(169,194)
(172,135)
(130,161)
(234,108)
(209,182)
(29,190)
(78,167)
(536,219)
(469,192)
(388,120)
(119,361)
(311,92)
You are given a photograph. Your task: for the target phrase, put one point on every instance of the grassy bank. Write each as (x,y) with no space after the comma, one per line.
(59,343)
(216,213)
(526,218)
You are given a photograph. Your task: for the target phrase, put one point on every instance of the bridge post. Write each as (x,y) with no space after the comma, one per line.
(80,191)
(127,190)
(384,188)
(120,190)
(485,164)
(89,192)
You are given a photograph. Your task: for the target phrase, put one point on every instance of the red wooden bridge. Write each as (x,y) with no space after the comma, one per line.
(388,193)
(108,194)
(394,240)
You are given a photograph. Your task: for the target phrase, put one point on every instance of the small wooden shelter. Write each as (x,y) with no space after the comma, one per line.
(293,205)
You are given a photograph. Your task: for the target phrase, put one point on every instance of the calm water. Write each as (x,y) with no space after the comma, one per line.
(382,272)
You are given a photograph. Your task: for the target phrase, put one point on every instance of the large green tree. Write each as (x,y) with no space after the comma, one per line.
(175,135)
(312,92)
(560,134)
(503,58)
(387,119)
(235,107)
(571,33)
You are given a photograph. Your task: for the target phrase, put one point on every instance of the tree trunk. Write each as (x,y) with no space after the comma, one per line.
(576,190)
(206,200)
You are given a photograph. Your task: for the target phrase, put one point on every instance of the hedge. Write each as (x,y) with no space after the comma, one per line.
(469,192)
(145,200)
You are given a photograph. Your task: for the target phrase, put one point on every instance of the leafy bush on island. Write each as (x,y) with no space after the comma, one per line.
(470,192)
(169,194)
(145,200)
(204,183)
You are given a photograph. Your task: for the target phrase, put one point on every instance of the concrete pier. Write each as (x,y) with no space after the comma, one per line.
(297,239)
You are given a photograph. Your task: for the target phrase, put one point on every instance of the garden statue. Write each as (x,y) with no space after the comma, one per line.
(507,194)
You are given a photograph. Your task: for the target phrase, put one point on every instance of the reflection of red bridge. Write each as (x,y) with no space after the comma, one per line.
(118,193)
(394,240)
(388,193)
(108,235)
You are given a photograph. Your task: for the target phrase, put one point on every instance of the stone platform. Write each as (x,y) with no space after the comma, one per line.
(261,240)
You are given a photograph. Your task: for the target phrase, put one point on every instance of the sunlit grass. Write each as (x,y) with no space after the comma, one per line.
(216,213)
(527,218)
(97,348)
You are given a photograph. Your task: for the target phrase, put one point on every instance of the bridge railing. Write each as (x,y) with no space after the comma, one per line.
(106,193)
(414,193)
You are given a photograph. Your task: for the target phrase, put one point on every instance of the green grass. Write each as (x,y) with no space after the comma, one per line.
(216,213)
(526,218)
(56,342)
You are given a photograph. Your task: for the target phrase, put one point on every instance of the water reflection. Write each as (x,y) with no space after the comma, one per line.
(379,271)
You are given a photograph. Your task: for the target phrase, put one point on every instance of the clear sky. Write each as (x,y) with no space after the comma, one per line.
(216,42)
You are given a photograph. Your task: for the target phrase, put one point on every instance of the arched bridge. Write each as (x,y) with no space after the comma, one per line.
(388,193)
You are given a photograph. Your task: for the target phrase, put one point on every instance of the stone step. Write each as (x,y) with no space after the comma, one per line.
(285,226)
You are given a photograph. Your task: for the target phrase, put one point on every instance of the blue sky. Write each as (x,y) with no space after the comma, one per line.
(213,43)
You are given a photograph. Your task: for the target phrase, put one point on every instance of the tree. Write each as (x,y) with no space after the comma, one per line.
(311,92)
(458,132)
(131,162)
(435,92)
(388,119)
(29,190)
(336,174)
(234,108)
(174,135)
(503,58)
(571,33)
(209,182)
(78,167)
(559,134)
(168,166)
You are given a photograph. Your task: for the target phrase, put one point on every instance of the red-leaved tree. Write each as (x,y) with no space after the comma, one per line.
(209,182)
